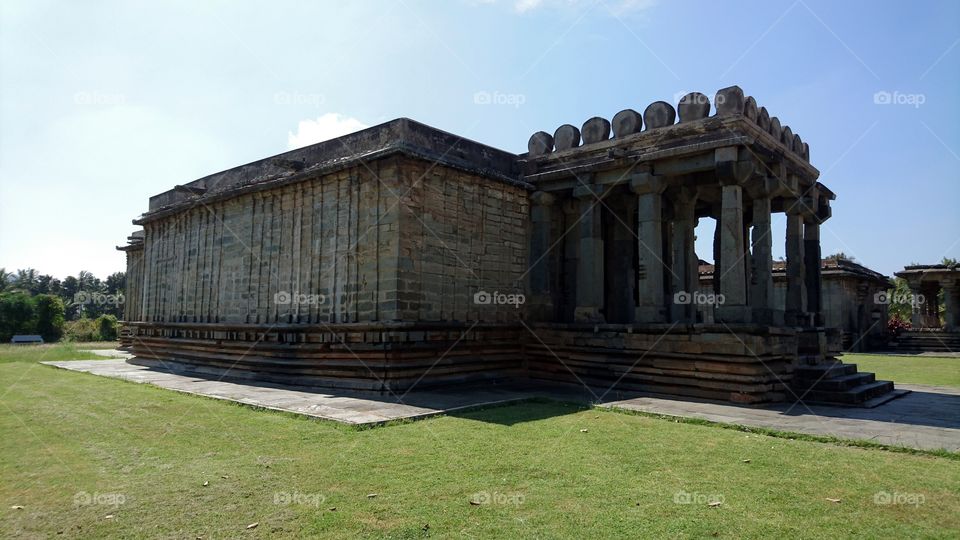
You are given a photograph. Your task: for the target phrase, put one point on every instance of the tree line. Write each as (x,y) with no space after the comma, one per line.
(79,308)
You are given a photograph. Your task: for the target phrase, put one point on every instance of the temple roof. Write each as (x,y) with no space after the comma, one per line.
(828,266)
(400,136)
(929,271)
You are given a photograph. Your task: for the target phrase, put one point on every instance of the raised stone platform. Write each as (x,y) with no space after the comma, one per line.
(928,418)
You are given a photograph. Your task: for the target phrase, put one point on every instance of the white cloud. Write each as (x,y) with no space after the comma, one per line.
(522,6)
(329,126)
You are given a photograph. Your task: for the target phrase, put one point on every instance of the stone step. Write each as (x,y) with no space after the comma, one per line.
(823,371)
(836,384)
(852,396)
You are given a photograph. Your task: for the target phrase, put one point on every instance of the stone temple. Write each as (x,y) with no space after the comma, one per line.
(402,256)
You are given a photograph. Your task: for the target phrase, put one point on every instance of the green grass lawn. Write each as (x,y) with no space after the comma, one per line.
(87,456)
(931,370)
(52,351)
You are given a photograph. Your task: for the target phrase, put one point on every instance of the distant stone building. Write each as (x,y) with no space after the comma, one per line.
(927,282)
(403,256)
(855,300)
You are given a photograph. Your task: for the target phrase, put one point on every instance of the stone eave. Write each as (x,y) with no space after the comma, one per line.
(843,269)
(929,271)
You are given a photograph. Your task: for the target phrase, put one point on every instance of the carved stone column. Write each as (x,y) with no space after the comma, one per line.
(590,263)
(761,280)
(916,307)
(796,302)
(951,304)
(684,277)
(811,256)
(811,251)
(733,284)
(650,285)
(541,289)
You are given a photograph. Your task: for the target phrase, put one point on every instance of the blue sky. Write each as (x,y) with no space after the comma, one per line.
(103,104)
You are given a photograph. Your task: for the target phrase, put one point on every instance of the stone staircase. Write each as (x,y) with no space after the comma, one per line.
(925,342)
(841,384)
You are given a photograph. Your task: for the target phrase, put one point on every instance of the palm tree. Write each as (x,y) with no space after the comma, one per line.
(26,279)
(5,278)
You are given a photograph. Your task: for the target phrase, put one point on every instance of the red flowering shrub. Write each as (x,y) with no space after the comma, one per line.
(896,325)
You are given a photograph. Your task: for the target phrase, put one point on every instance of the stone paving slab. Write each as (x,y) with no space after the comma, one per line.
(342,406)
(109,353)
(927,418)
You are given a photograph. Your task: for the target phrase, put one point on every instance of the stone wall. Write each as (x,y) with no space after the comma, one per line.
(323,250)
(340,249)
(461,234)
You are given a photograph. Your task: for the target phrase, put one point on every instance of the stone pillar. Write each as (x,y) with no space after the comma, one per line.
(732,267)
(571,258)
(811,250)
(541,306)
(951,304)
(650,285)
(620,250)
(796,308)
(682,278)
(761,290)
(916,308)
(590,263)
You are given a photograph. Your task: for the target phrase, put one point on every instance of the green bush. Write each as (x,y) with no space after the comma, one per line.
(103,328)
(81,330)
(107,328)
(17,315)
(50,316)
